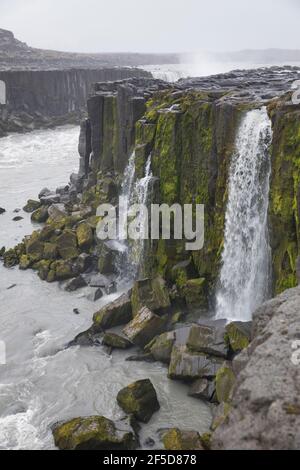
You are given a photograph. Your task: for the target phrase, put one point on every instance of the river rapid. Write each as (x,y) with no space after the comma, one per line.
(42,382)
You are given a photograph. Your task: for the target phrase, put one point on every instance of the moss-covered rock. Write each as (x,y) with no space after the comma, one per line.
(67,245)
(34,247)
(25,262)
(151,293)
(139,399)
(161,347)
(32,205)
(85,236)
(114,314)
(50,251)
(144,327)
(115,341)
(43,268)
(221,415)
(40,215)
(188,366)
(238,335)
(225,380)
(94,433)
(208,338)
(176,439)
(195,293)
(60,270)
(12,256)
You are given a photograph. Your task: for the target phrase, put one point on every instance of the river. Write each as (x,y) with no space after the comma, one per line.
(42,382)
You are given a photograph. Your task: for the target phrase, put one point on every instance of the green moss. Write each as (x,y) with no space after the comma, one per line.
(225,380)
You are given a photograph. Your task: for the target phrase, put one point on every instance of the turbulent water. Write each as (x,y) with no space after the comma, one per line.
(42,382)
(245,272)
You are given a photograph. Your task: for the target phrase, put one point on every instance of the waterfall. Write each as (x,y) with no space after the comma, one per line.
(244,281)
(135,192)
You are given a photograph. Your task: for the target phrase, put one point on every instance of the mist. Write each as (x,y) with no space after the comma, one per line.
(156,26)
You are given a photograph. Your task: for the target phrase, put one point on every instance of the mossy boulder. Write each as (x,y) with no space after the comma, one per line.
(114,314)
(225,380)
(40,215)
(161,347)
(203,389)
(43,268)
(94,433)
(176,439)
(188,366)
(25,262)
(238,335)
(32,205)
(67,245)
(85,236)
(50,251)
(10,258)
(144,327)
(60,270)
(195,293)
(115,341)
(208,338)
(139,399)
(151,293)
(34,247)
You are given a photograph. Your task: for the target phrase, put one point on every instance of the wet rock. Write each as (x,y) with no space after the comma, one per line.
(43,268)
(151,293)
(142,357)
(97,280)
(106,258)
(83,263)
(111,288)
(2,251)
(144,327)
(139,399)
(10,258)
(85,236)
(34,248)
(57,212)
(44,192)
(52,198)
(2,210)
(25,262)
(95,295)
(50,251)
(161,347)
(238,335)
(31,206)
(17,218)
(67,245)
(40,215)
(195,293)
(225,380)
(94,433)
(76,311)
(60,270)
(86,338)
(187,365)
(149,442)
(208,338)
(114,314)
(203,389)
(76,283)
(116,341)
(176,439)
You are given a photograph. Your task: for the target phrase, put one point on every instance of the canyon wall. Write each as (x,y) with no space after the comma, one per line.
(38,98)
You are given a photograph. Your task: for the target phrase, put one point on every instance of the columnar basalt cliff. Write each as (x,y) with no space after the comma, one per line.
(190,131)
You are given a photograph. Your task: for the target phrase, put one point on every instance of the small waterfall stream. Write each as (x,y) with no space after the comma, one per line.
(134,192)
(246,265)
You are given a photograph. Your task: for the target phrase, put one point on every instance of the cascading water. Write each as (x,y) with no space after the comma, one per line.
(246,265)
(133,192)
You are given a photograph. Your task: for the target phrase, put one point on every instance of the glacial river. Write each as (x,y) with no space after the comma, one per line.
(42,382)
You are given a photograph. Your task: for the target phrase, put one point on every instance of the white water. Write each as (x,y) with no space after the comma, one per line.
(42,382)
(245,272)
(134,192)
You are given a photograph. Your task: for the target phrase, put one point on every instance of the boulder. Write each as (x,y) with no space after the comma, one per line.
(85,236)
(2,210)
(195,293)
(25,262)
(139,399)
(57,212)
(203,388)
(17,218)
(114,314)
(40,215)
(76,283)
(44,192)
(31,205)
(187,365)
(151,293)
(208,338)
(238,335)
(60,271)
(116,341)
(176,439)
(34,248)
(94,433)
(144,327)
(160,347)
(50,251)
(67,245)
(225,380)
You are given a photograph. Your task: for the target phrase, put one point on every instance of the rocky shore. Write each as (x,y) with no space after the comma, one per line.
(243,370)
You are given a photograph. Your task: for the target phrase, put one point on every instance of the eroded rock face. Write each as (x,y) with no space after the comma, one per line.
(265,411)
(94,433)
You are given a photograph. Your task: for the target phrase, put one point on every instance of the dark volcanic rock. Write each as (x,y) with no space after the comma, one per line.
(116,341)
(265,413)
(2,210)
(144,326)
(208,338)
(114,314)
(139,399)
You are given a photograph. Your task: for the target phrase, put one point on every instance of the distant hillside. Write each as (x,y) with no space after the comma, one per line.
(15,54)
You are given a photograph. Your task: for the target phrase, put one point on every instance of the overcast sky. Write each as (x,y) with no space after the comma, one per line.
(153,25)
